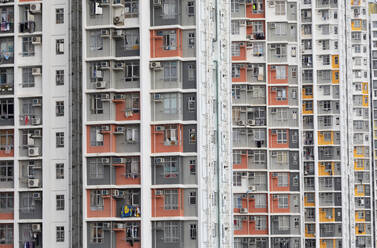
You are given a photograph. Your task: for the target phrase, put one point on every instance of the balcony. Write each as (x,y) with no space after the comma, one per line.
(329,153)
(284,181)
(30,112)
(161,231)
(287,242)
(7,20)
(248,94)
(30,234)
(246,225)
(7,112)
(251,138)
(285,203)
(173,106)
(284,160)
(249,116)
(115,234)
(117,203)
(173,13)
(169,202)
(249,159)
(113,170)
(174,170)
(280,31)
(330,184)
(330,199)
(7,51)
(7,143)
(6,81)
(330,230)
(30,174)
(30,205)
(31,142)
(285,224)
(169,138)
(31,21)
(173,74)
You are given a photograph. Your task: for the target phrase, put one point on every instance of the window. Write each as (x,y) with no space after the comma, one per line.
(96,137)
(6,171)
(131,39)
(59,77)
(257,6)
(170,167)
(170,40)
(281,94)
(27,77)
(6,200)
(191,103)
(192,198)
(60,203)
(97,234)
(170,135)
(171,199)
(260,201)
(192,166)
(280,8)
(281,72)
(191,72)
(235,6)
(96,200)
(192,136)
(96,104)
(96,169)
(281,136)
(170,71)
(60,108)
(282,179)
(260,223)
(191,8)
(170,103)
(95,41)
(27,46)
(59,168)
(257,27)
(60,234)
(6,140)
(131,7)
(6,234)
(131,135)
(236,178)
(326,59)
(169,9)
(236,49)
(59,16)
(60,46)
(235,27)
(236,70)
(6,109)
(60,139)
(193,231)
(280,29)
(171,232)
(283,223)
(282,201)
(191,40)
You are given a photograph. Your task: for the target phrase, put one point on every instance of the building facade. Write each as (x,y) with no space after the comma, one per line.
(34,124)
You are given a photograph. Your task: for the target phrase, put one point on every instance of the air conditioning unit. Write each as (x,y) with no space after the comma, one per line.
(251,122)
(117,160)
(240,123)
(105,128)
(274,175)
(104,65)
(273,67)
(103,2)
(105,160)
(244,210)
(36,121)
(118,66)
(37,133)
(274,89)
(36,40)
(35,8)
(273,110)
(33,183)
(159,160)
(118,226)
(273,25)
(250,37)
(36,71)
(36,228)
(116,193)
(118,20)
(105,97)
(274,154)
(157,97)
(33,151)
(101,85)
(37,195)
(118,34)
(119,130)
(159,128)
(105,192)
(105,33)
(36,102)
(119,97)
(159,192)
(252,188)
(155,65)
(157,3)
(107,225)
(252,218)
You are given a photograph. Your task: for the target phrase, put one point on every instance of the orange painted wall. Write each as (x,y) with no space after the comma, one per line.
(243,164)
(120,179)
(252,228)
(273,94)
(157,50)
(122,243)
(275,205)
(242,52)
(272,139)
(244,205)
(274,184)
(243,75)
(253,209)
(10,153)
(272,76)
(158,141)
(250,14)
(7,216)
(109,207)
(120,112)
(109,142)
(7,246)
(158,205)
(244,230)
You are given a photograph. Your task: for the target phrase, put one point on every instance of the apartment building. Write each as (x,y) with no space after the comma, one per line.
(301,124)
(147,113)
(34,103)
